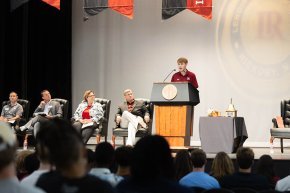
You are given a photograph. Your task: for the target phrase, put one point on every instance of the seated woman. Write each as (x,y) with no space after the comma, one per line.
(88,115)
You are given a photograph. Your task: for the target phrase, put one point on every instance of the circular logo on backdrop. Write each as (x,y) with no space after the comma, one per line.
(169,92)
(253,45)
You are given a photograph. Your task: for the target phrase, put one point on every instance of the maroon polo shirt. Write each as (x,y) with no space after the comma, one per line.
(188,77)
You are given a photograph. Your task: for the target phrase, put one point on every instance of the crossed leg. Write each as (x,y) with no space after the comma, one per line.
(133,123)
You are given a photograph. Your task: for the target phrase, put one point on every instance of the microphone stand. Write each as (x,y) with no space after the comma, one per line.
(169,74)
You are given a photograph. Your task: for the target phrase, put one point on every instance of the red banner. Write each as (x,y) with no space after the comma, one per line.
(125,7)
(54,3)
(201,7)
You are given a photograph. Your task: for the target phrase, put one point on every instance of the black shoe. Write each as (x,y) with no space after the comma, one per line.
(18,131)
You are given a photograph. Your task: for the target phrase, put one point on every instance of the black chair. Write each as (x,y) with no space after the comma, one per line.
(282,133)
(123,132)
(244,190)
(102,129)
(197,189)
(220,190)
(64,106)
(270,191)
(25,105)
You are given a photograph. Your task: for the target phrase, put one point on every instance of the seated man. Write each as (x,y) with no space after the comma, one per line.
(198,178)
(130,115)
(12,111)
(46,110)
(244,178)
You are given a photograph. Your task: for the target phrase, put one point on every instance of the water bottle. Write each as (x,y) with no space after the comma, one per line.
(271,148)
(25,145)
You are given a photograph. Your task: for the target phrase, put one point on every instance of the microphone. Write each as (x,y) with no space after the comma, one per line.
(169,74)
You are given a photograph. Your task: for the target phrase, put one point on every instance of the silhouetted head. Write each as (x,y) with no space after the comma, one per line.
(245,157)
(152,159)
(182,163)
(104,155)
(61,143)
(198,158)
(123,155)
(222,165)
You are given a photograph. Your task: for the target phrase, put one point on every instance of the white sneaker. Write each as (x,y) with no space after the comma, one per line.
(22,128)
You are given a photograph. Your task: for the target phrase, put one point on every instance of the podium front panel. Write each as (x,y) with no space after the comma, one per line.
(186,94)
(174,123)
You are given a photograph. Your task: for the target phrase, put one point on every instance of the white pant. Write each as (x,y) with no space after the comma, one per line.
(131,122)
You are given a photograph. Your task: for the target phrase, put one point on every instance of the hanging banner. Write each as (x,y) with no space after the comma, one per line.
(173,7)
(54,3)
(94,7)
(124,7)
(14,4)
(201,7)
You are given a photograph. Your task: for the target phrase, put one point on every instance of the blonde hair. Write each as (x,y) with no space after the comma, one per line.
(222,165)
(126,91)
(86,94)
(182,60)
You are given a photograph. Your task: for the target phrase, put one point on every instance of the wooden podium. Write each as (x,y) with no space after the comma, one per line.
(174,109)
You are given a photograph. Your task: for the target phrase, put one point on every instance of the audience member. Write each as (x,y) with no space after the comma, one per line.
(91,159)
(8,180)
(130,115)
(31,163)
(222,165)
(198,178)
(44,164)
(283,184)
(244,178)
(183,165)
(123,157)
(67,153)
(265,167)
(11,112)
(104,157)
(152,168)
(88,115)
(19,161)
(46,110)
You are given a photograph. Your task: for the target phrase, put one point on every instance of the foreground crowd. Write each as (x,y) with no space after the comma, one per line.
(62,164)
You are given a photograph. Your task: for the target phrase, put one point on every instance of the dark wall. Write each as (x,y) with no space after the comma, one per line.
(35,50)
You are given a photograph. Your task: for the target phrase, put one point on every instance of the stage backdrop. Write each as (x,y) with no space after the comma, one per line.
(243,54)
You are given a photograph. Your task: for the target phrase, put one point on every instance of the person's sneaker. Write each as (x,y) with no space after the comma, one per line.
(22,128)
(18,130)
